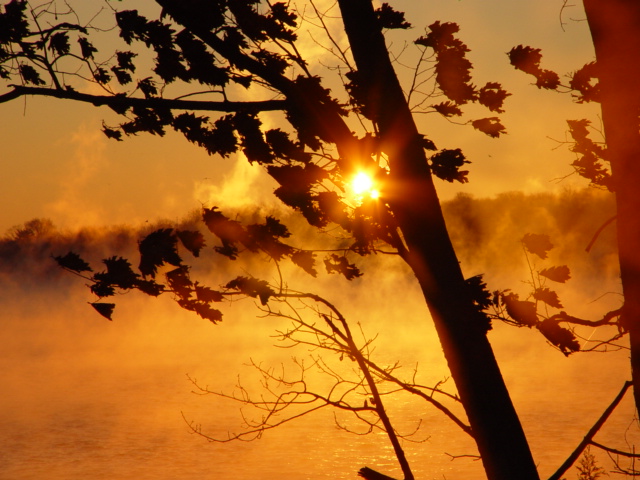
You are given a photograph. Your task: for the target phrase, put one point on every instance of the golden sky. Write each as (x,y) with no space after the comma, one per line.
(57,164)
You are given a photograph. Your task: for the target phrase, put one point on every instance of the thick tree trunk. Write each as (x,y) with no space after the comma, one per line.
(615,29)
(413,199)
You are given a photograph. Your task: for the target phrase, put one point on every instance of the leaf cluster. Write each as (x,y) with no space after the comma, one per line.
(585,87)
(446,165)
(532,312)
(453,76)
(267,238)
(527,59)
(157,249)
(592,157)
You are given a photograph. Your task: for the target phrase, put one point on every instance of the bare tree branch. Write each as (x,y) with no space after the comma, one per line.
(588,438)
(120,101)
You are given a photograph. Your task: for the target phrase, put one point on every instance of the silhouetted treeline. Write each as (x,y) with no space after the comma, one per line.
(486,233)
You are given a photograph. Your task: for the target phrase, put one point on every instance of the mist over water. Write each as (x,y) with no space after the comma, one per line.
(84,397)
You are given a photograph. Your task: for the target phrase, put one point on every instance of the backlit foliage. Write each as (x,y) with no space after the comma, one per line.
(592,161)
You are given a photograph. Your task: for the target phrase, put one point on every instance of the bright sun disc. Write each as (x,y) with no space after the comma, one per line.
(363,184)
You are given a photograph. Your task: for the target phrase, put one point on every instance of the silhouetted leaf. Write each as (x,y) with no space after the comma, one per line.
(228,250)
(547,296)
(179,282)
(30,75)
(447,109)
(228,231)
(337,264)
(427,144)
(585,81)
(148,87)
(283,147)
(446,165)
(305,260)
(452,67)
(528,60)
(206,294)
(390,18)
(253,143)
(273,61)
(112,133)
(205,311)
(333,209)
(477,290)
(492,96)
(118,274)
(490,126)
(266,237)
(523,312)
(558,274)
(548,79)
(561,337)
(104,309)
(280,12)
(72,261)
(101,76)
(538,244)
(192,241)
(481,299)
(132,25)
(591,155)
(102,289)
(13,22)
(252,287)
(149,287)
(59,43)
(202,63)
(156,249)
(124,67)
(86,48)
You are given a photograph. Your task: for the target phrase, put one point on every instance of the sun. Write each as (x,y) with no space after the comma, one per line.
(362,184)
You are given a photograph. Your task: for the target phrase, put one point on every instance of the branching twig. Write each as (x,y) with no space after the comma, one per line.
(588,438)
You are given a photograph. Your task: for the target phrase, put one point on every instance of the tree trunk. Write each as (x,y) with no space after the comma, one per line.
(413,200)
(615,29)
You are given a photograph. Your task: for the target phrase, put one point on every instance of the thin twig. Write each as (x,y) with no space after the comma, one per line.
(588,438)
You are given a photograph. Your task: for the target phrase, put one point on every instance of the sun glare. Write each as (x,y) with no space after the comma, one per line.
(363,184)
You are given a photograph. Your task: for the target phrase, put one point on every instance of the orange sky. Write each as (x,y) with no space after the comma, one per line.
(57,164)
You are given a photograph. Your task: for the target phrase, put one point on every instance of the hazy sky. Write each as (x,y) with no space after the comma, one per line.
(56,163)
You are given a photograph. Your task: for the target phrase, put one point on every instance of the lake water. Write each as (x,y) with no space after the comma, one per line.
(81,397)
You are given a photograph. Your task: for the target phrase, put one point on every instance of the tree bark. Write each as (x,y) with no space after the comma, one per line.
(615,29)
(413,200)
